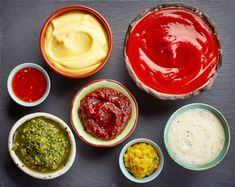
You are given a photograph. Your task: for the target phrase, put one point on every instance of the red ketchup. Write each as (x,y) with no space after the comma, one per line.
(173,51)
(105,113)
(29,84)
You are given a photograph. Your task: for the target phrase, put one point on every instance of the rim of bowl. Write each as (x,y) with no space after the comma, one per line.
(151,91)
(124,138)
(72,8)
(29,171)
(127,174)
(219,157)
(10,89)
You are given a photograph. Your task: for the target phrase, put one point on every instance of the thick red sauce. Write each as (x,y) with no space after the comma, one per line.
(173,51)
(105,113)
(29,84)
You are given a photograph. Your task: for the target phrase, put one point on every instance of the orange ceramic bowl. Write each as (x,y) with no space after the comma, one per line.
(73,8)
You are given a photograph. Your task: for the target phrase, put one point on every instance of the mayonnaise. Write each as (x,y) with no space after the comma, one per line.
(76,43)
(196,136)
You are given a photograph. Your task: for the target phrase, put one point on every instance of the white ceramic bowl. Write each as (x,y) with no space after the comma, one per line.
(29,171)
(128,174)
(77,124)
(10,89)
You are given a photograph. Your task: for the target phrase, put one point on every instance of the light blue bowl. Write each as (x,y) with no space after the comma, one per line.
(223,152)
(11,92)
(128,174)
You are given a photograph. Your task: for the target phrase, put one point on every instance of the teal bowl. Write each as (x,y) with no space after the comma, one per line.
(127,174)
(223,152)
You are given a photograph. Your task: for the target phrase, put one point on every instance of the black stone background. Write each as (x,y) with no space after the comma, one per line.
(21,22)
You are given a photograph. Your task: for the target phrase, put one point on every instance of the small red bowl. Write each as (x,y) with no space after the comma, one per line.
(77,124)
(80,9)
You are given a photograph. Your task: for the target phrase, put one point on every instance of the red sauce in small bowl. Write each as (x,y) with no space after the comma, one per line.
(105,113)
(173,50)
(29,84)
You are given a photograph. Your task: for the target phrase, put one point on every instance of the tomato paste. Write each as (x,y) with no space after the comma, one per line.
(29,84)
(173,50)
(105,113)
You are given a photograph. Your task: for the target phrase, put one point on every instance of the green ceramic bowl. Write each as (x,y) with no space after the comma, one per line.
(222,153)
(77,123)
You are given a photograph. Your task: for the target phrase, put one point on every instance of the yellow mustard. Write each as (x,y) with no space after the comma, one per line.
(141,160)
(76,43)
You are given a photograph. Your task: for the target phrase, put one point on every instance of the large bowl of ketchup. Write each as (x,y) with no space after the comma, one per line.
(172,51)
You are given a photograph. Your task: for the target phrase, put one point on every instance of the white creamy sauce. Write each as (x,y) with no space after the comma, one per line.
(196,136)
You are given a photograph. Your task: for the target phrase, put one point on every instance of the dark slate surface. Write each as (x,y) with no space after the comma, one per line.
(21,24)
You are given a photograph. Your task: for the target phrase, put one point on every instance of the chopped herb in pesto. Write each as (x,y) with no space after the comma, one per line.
(42,145)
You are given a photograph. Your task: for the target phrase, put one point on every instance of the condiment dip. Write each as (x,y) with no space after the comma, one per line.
(172,50)
(104,113)
(29,84)
(141,160)
(76,43)
(196,136)
(42,145)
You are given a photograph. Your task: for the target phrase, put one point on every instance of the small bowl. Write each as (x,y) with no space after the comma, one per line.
(10,89)
(222,154)
(151,91)
(128,174)
(29,171)
(77,124)
(71,9)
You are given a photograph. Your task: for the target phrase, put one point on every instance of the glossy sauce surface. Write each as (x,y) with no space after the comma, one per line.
(105,113)
(173,50)
(29,84)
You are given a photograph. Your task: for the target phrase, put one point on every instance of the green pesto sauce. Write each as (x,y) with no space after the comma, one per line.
(42,145)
